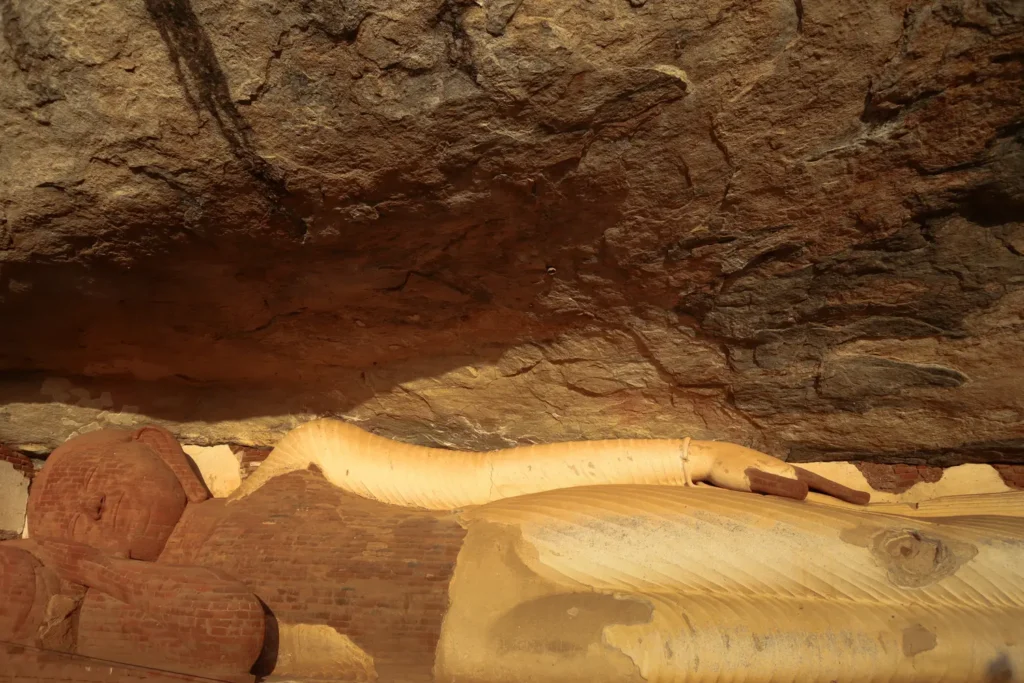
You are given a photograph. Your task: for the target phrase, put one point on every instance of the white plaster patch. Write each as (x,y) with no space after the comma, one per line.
(219,467)
(321,652)
(13,498)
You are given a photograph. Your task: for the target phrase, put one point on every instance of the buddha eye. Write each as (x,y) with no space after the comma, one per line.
(94,508)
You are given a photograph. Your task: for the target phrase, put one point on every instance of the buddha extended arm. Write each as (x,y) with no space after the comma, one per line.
(177,618)
(152,587)
(437,479)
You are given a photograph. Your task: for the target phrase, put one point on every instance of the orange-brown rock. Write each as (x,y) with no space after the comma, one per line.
(792,225)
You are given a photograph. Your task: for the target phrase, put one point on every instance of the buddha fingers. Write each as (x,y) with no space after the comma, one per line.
(832,488)
(797,489)
(775,484)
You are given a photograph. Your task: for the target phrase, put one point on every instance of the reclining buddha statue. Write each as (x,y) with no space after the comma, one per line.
(348,556)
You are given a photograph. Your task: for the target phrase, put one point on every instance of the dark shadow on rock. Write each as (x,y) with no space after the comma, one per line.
(206,89)
(236,330)
(1002,451)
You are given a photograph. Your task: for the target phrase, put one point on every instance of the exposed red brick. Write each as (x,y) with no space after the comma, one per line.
(297,551)
(317,555)
(21,462)
(112,494)
(1013,475)
(897,478)
(20,664)
(251,457)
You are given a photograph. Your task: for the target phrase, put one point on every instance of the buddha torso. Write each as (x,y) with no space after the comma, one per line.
(316,555)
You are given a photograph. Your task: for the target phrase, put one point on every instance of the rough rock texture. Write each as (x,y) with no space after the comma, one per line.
(794,224)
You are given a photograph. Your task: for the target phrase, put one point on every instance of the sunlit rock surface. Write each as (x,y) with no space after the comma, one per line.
(792,225)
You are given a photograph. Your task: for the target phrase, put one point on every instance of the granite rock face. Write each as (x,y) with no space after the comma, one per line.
(793,224)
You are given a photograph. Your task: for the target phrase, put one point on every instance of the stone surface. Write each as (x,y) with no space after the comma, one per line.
(792,225)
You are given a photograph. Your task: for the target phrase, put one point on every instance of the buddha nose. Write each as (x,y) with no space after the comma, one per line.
(93,506)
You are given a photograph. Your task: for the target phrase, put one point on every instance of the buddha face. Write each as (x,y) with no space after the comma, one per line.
(108,491)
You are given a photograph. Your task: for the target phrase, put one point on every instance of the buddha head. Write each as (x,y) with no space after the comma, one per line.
(119,491)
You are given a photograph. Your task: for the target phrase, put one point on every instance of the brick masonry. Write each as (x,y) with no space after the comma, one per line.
(250,457)
(19,664)
(21,462)
(1013,475)
(314,554)
(899,478)
(106,496)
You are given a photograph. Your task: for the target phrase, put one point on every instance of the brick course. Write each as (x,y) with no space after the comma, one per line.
(21,462)
(316,555)
(897,478)
(111,494)
(900,477)
(28,665)
(251,457)
(1013,475)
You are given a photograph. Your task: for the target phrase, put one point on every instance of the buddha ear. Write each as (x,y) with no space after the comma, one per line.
(169,450)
